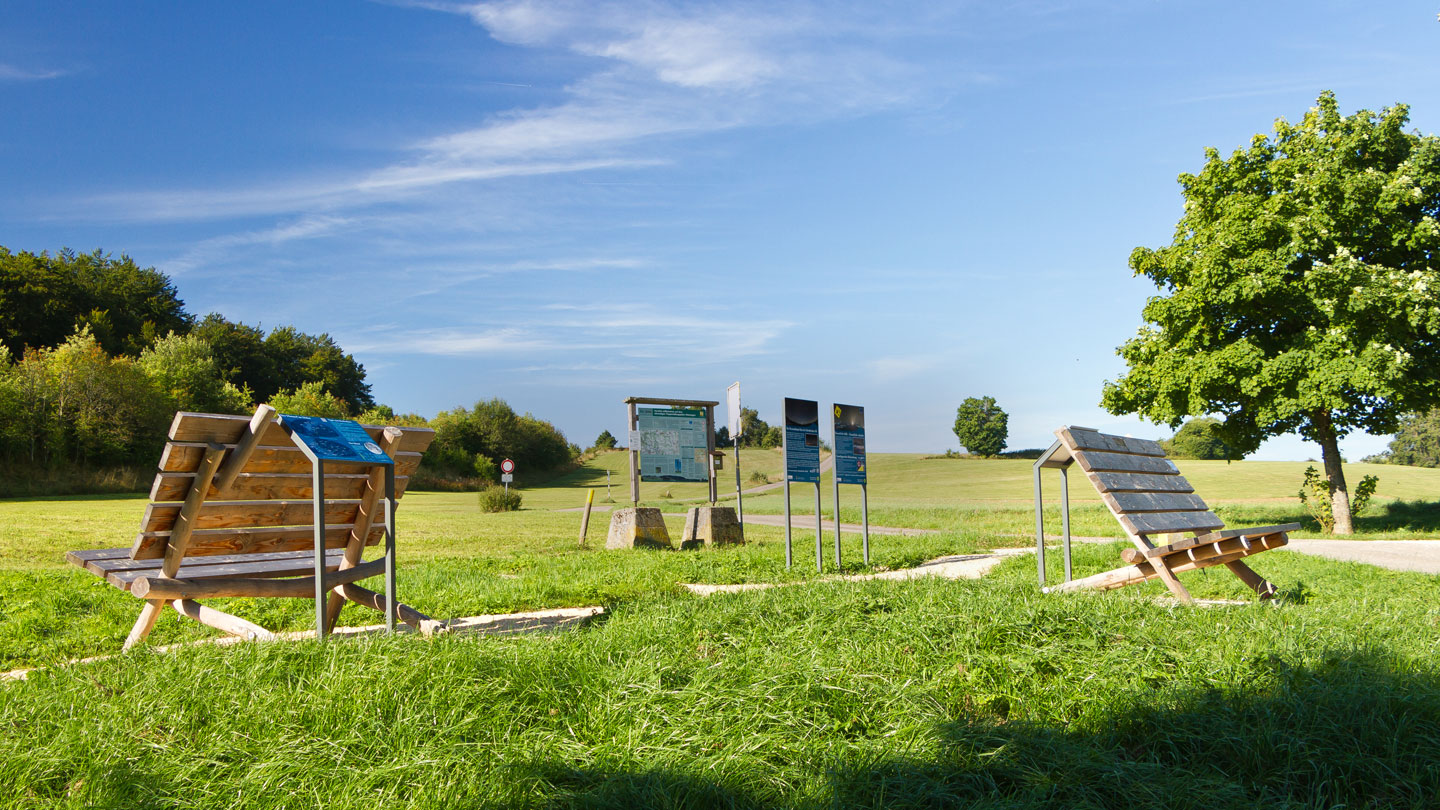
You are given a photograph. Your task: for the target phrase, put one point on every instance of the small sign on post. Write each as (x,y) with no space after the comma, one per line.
(848,439)
(735,423)
(507,473)
(802,463)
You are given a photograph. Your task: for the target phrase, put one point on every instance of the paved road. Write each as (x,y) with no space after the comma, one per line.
(1400,555)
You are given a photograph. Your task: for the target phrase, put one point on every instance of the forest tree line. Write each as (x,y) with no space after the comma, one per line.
(97,354)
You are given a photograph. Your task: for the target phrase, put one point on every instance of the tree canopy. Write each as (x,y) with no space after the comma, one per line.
(44,299)
(982,426)
(1198,438)
(1300,291)
(1417,440)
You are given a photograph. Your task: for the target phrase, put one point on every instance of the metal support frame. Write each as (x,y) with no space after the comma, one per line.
(819,533)
(322,586)
(1057,457)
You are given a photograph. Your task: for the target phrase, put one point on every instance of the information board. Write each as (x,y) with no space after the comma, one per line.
(802,440)
(849,444)
(334,439)
(674,445)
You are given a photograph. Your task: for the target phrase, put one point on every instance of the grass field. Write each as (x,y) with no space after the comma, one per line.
(881,694)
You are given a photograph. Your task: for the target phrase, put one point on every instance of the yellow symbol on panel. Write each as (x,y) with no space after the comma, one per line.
(837,411)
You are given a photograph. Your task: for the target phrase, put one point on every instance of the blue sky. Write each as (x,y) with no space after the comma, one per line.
(564,204)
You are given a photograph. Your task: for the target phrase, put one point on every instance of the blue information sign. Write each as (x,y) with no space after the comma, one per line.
(334,439)
(850,444)
(802,440)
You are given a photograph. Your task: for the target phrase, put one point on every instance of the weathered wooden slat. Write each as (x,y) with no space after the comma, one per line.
(160,517)
(103,566)
(236,458)
(297,565)
(1138,482)
(1131,502)
(152,587)
(266,486)
(1083,439)
(1163,522)
(185,457)
(1255,532)
(251,540)
(1123,462)
(225,429)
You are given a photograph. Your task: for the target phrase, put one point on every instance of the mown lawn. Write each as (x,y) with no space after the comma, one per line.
(879,694)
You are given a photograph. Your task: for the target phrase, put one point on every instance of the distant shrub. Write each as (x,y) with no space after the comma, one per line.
(758,477)
(497,499)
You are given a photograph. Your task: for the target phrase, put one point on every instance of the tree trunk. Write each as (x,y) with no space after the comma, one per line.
(1339,494)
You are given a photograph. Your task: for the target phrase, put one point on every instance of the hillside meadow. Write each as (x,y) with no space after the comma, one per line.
(928,693)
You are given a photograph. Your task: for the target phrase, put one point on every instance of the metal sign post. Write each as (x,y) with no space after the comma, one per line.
(802,463)
(733,421)
(507,473)
(342,440)
(848,440)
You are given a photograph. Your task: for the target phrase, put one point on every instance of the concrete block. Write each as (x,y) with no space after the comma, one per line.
(711,525)
(642,527)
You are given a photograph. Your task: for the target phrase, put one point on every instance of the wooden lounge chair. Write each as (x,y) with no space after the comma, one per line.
(1148,496)
(232,516)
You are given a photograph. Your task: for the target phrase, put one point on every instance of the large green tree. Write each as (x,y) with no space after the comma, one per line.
(1301,293)
(1417,440)
(982,426)
(45,298)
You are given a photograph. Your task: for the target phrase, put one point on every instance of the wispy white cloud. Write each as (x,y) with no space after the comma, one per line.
(208,250)
(13,73)
(660,73)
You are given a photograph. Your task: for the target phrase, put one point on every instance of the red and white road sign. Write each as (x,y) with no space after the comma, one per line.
(507,466)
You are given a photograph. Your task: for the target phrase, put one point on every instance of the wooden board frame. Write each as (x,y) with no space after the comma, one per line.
(233,513)
(1148,497)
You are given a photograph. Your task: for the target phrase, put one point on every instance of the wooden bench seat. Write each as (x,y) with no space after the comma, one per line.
(1149,498)
(232,513)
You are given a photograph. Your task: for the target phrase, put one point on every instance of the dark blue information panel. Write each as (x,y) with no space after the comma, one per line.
(334,439)
(802,440)
(850,444)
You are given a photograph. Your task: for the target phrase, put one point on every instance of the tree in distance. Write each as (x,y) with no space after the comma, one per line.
(605,441)
(1198,438)
(1417,440)
(1299,293)
(981,426)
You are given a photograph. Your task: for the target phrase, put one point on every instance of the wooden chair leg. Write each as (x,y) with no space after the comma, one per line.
(1162,569)
(222,621)
(332,610)
(1257,583)
(143,625)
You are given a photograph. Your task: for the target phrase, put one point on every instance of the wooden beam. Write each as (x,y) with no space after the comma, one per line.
(229,428)
(148,587)
(184,457)
(1168,522)
(1131,574)
(248,441)
(143,625)
(160,517)
(1256,532)
(1093,461)
(248,540)
(1205,551)
(1264,590)
(409,615)
(185,521)
(224,622)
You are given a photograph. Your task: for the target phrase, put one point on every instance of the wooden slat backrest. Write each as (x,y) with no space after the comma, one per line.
(268,506)
(1143,489)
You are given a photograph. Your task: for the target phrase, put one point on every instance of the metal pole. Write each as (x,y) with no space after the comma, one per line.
(633,422)
(789,559)
(819,533)
(713,487)
(835,474)
(1065,517)
(1039,529)
(865,521)
(392,599)
(317,483)
(739,494)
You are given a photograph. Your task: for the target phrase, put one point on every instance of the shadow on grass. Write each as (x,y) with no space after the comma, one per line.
(1392,516)
(1351,733)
